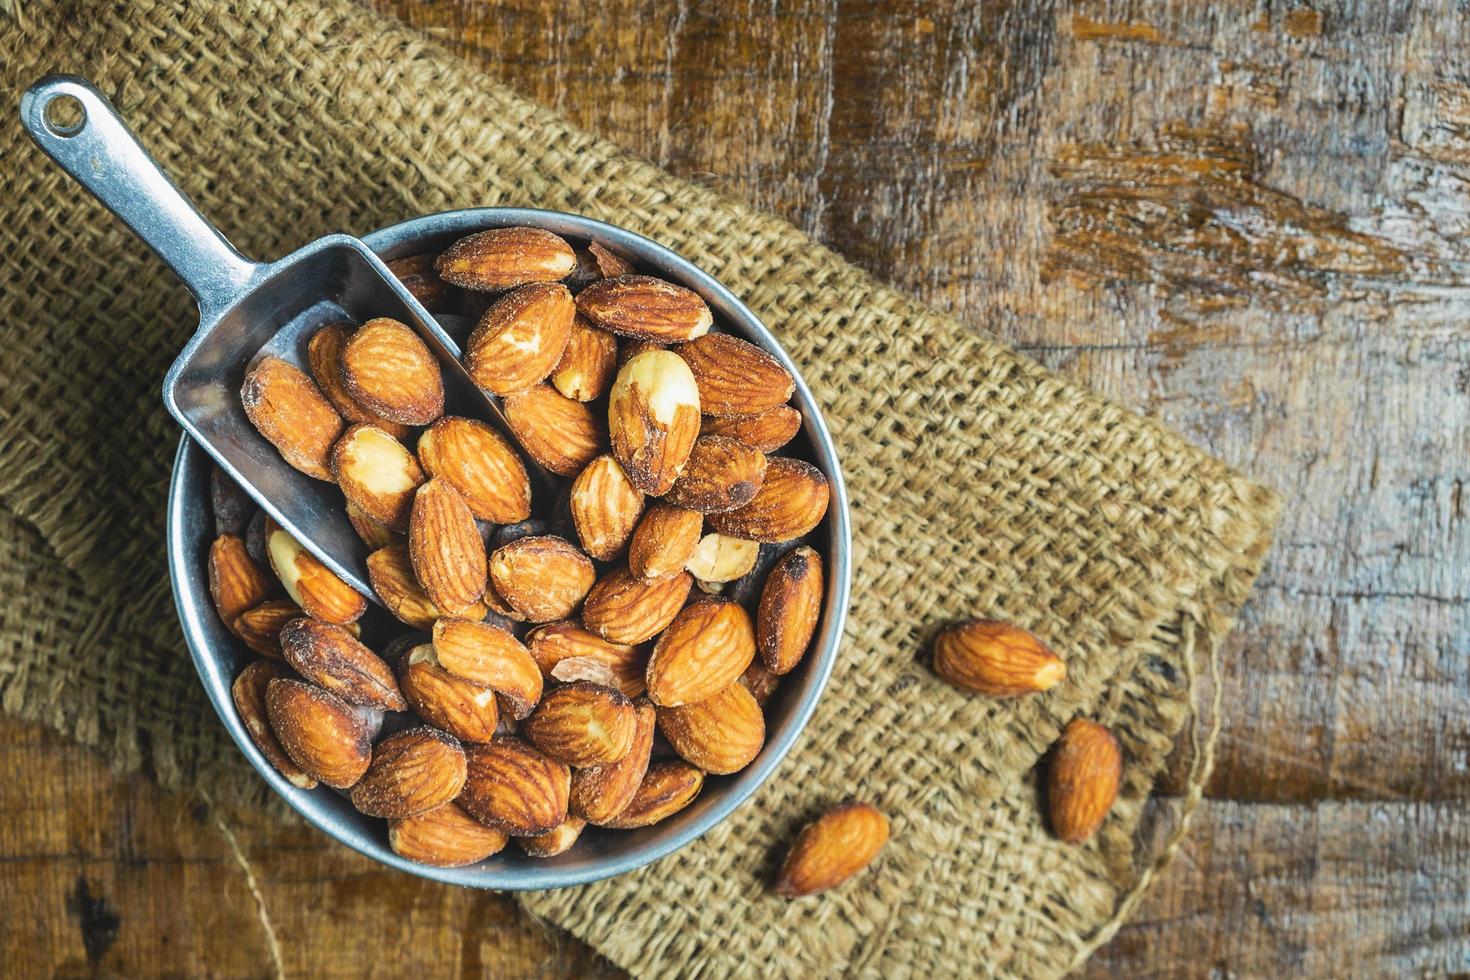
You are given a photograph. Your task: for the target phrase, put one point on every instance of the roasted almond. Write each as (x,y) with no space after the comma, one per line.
(721,474)
(248,693)
(766,432)
(446,837)
(391,573)
(605,508)
(503,258)
(260,627)
(389,371)
(832,848)
(628,348)
(653,419)
(231,506)
(646,308)
(994,658)
(411,772)
(761,683)
(600,793)
(319,731)
(445,547)
(625,609)
(720,558)
(557,840)
(720,734)
(324,357)
(574,669)
(481,464)
(310,584)
(735,377)
(1082,779)
(332,658)
(561,434)
(790,502)
(460,707)
(291,412)
(491,657)
(542,577)
(664,541)
(609,263)
(557,643)
(521,338)
(705,649)
(513,787)
(667,788)
(417,274)
(588,364)
(236,582)
(791,604)
(373,533)
(377,475)
(582,724)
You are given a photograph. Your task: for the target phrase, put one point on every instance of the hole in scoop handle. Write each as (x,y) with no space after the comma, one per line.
(101,153)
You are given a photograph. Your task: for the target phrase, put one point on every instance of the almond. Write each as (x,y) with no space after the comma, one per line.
(646,308)
(334,660)
(582,724)
(319,731)
(664,541)
(761,683)
(623,609)
(236,582)
(248,693)
(790,502)
(719,558)
(735,377)
(832,848)
(721,474)
(231,506)
(417,274)
(705,649)
(310,584)
(446,837)
(261,626)
(584,273)
(377,475)
(389,371)
(445,547)
(521,338)
(574,669)
(629,348)
(373,534)
(605,508)
(460,707)
(994,658)
(411,772)
(561,434)
(557,643)
(667,788)
(609,263)
(291,412)
(600,793)
(766,432)
(514,788)
(324,357)
(1082,780)
(791,604)
(481,464)
(391,573)
(721,734)
(503,258)
(557,840)
(653,419)
(588,364)
(541,577)
(491,657)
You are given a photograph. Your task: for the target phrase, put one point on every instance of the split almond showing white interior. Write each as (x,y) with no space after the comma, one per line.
(377,475)
(653,419)
(310,584)
(721,558)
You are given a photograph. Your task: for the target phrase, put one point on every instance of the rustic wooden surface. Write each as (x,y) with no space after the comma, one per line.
(1247,218)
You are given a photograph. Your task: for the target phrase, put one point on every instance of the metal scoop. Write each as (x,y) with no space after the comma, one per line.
(246,308)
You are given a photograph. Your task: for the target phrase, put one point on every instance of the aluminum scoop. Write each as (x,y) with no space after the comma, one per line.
(246,309)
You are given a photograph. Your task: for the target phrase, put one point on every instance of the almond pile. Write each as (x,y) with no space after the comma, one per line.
(573,659)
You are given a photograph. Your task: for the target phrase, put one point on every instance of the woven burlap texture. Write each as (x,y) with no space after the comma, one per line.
(980,483)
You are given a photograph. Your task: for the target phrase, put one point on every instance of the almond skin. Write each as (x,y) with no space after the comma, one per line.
(664,541)
(720,734)
(705,649)
(831,849)
(994,658)
(261,626)
(521,338)
(561,434)
(460,707)
(790,502)
(481,464)
(582,724)
(236,582)
(411,772)
(324,357)
(720,558)
(319,731)
(310,584)
(491,657)
(1082,779)
(766,432)
(291,412)
(446,837)
(542,577)
(514,788)
(248,693)
(600,793)
(761,683)
(721,474)
(605,508)
(373,533)
(609,263)
(377,475)
(646,308)
(389,371)
(790,605)
(557,840)
(588,364)
(666,788)
(503,258)
(653,419)
(623,609)
(333,659)
(445,547)
(556,643)
(417,274)
(735,377)
(390,571)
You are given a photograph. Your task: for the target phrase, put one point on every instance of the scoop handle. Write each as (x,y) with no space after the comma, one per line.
(101,153)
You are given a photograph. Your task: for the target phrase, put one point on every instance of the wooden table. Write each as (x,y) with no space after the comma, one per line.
(1246,218)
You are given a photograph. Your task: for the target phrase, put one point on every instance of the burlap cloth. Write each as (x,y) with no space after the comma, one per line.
(980,483)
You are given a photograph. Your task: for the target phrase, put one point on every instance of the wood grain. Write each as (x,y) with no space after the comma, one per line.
(1248,219)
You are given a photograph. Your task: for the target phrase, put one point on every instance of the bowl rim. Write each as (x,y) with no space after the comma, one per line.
(402,238)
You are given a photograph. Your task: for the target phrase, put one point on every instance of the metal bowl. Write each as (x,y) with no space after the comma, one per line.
(598,854)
